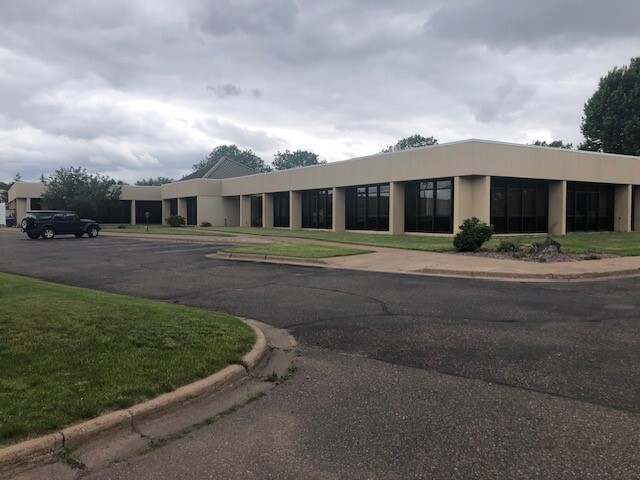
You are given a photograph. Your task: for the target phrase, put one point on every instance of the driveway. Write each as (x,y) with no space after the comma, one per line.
(400,376)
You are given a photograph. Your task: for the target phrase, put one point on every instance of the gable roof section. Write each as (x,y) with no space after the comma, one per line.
(223,168)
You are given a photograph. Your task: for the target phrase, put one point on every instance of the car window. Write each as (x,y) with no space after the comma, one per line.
(71,217)
(58,216)
(44,216)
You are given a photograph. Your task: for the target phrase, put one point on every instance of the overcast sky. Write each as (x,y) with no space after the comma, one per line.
(138,89)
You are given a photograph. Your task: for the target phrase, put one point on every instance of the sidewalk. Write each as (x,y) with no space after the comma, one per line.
(391,260)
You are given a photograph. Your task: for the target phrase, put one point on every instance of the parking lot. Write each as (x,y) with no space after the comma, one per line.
(400,376)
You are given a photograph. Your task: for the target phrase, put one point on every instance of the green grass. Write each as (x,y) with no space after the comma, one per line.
(297,250)
(407,242)
(613,243)
(164,230)
(69,353)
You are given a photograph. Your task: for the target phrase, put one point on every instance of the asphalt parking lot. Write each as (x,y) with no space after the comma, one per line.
(400,376)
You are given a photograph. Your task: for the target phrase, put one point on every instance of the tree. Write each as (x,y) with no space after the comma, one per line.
(232,152)
(74,189)
(299,158)
(17,178)
(612,115)
(414,141)
(154,181)
(4,187)
(553,144)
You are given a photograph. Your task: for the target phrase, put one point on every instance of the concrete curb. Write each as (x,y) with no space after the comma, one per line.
(530,276)
(441,272)
(75,435)
(268,258)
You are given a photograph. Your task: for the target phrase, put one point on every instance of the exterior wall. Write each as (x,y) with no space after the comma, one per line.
(339,213)
(219,211)
(396,208)
(525,161)
(636,209)
(622,208)
(245,210)
(267,210)
(558,207)
(295,210)
(191,188)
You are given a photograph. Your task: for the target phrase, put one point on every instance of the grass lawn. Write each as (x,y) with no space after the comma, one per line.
(614,243)
(298,250)
(163,229)
(407,242)
(69,353)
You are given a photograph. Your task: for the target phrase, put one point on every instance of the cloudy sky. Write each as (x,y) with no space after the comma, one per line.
(147,88)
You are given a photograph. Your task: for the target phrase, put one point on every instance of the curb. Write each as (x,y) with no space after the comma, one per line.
(474,274)
(530,276)
(268,258)
(71,437)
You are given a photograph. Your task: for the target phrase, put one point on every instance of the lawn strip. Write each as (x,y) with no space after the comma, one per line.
(69,353)
(164,230)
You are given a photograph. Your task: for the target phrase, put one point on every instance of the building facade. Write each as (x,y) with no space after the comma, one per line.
(430,190)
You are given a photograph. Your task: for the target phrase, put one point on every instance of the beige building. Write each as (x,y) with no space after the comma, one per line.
(516,188)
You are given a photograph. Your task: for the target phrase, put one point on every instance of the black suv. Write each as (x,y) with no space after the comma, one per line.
(49,223)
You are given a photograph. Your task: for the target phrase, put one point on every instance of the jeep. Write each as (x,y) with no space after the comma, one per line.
(49,223)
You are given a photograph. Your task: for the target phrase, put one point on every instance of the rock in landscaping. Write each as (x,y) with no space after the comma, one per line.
(548,247)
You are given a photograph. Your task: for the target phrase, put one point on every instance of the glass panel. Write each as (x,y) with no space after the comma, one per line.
(443,209)
(528,202)
(410,206)
(372,208)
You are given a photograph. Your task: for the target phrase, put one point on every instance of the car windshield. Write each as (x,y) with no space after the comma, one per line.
(30,215)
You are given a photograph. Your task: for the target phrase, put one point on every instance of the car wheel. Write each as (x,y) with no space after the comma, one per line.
(78,235)
(32,236)
(24,224)
(93,232)
(48,233)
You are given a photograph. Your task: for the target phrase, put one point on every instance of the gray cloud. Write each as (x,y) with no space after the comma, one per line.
(226,90)
(504,24)
(118,86)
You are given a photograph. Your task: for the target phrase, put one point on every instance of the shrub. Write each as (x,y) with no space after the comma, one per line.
(205,224)
(473,233)
(122,226)
(176,221)
(507,245)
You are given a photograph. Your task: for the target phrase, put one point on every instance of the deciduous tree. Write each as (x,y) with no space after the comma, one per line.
(74,189)
(154,181)
(611,121)
(299,158)
(553,144)
(414,141)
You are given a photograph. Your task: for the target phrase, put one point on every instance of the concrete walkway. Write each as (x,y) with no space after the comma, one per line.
(392,260)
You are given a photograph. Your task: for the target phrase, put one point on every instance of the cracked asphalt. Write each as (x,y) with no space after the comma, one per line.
(400,376)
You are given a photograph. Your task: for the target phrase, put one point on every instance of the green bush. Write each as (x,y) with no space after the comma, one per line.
(205,224)
(473,233)
(176,221)
(507,245)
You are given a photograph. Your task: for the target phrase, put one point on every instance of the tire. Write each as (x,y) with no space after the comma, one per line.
(32,236)
(92,232)
(48,233)
(24,224)
(78,235)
